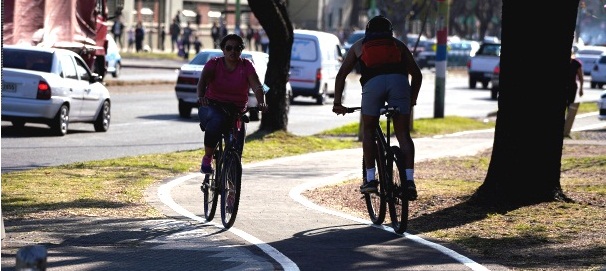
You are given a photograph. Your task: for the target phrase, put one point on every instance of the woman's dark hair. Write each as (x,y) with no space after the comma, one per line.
(379,24)
(232,37)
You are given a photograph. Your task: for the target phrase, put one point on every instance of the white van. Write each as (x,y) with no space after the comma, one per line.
(314,62)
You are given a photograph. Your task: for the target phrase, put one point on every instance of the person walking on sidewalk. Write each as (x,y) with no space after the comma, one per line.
(576,73)
(224,85)
(385,64)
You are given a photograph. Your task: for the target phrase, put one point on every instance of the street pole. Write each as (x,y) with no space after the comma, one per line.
(441,53)
(237,28)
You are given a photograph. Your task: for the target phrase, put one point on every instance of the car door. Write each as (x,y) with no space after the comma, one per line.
(91,91)
(75,90)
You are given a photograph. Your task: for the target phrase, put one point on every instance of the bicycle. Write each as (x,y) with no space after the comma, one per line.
(227,175)
(389,162)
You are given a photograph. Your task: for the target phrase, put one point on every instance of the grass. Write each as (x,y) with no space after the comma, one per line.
(547,236)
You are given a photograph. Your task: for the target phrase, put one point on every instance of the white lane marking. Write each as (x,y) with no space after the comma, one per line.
(164,195)
(295,194)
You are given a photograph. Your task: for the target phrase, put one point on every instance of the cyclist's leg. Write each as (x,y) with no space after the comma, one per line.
(399,95)
(373,98)
(214,126)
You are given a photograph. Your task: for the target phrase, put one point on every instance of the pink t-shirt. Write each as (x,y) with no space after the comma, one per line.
(229,86)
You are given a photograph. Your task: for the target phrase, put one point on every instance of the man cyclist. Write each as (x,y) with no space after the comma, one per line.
(385,64)
(222,88)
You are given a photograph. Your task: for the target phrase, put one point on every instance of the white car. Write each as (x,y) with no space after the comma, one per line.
(113,60)
(588,55)
(602,106)
(51,86)
(187,81)
(598,72)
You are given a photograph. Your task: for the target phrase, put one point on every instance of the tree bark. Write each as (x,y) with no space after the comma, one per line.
(527,149)
(273,17)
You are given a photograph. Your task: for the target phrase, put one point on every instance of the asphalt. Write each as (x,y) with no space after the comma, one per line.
(284,230)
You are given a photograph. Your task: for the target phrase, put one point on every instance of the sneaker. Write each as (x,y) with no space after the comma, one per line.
(206,167)
(369,187)
(410,190)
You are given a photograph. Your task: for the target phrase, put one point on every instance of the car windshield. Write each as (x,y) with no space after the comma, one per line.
(202,58)
(488,49)
(27,60)
(590,52)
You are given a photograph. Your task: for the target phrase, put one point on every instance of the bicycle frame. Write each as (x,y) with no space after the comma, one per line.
(389,191)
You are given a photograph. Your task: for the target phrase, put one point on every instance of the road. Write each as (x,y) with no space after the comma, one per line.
(145,121)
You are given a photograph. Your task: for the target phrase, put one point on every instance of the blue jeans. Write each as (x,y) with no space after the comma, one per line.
(214,121)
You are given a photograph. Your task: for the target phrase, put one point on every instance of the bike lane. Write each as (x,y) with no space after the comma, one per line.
(295,234)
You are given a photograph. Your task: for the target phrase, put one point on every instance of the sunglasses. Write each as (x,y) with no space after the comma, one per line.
(238,48)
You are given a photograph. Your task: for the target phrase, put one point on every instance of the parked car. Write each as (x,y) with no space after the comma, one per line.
(460,51)
(598,72)
(187,80)
(602,106)
(113,60)
(315,60)
(51,86)
(480,67)
(588,55)
(426,56)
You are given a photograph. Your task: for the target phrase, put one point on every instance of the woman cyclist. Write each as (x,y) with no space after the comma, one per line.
(223,88)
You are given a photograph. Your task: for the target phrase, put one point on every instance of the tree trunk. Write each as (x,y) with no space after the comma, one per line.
(527,149)
(273,16)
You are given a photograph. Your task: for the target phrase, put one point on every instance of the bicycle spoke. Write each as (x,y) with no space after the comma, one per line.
(230,197)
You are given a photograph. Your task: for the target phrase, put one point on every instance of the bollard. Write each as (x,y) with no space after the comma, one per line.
(31,258)
(571,113)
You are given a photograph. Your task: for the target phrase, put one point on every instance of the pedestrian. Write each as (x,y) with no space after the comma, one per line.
(139,35)
(249,35)
(385,63)
(186,37)
(197,45)
(223,85)
(175,31)
(117,30)
(264,41)
(256,37)
(162,36)
(130,35)
(214,33)
(575,74)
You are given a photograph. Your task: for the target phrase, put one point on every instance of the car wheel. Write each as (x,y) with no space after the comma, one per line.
(485,84)
(322,96)
(494,93)
(253,115)
(116,73)
(60,122)
(19,124)
(102,121)
(593,85)
(184,110)
(472,83)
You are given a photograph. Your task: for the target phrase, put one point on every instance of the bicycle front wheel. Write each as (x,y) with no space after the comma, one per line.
(375,202)
(230,195)
(209,189)
(398,203)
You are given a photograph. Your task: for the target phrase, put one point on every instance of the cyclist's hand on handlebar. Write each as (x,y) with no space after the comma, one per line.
(339,109)
(262,107)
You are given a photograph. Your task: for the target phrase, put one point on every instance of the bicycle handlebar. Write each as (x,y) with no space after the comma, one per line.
(384,109)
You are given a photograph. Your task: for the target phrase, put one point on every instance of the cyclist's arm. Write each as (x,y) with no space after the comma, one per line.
(203,82)
(346,67)
(415,72)
(257,87)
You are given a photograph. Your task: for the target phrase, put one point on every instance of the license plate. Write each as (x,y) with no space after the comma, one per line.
(9,87)
(488,75)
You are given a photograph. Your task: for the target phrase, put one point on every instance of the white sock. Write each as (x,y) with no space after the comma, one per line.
(410,173)
(370,174)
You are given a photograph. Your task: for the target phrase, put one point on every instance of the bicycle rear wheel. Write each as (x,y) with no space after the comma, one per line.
(375,202)
(210,190)
(398,204)
(230,195)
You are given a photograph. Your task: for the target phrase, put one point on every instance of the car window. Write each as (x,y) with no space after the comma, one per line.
(590,52)
(82,71)
(304,50)
(27,60)
(202,58)
(354,37)
(67,67)
(489,50)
